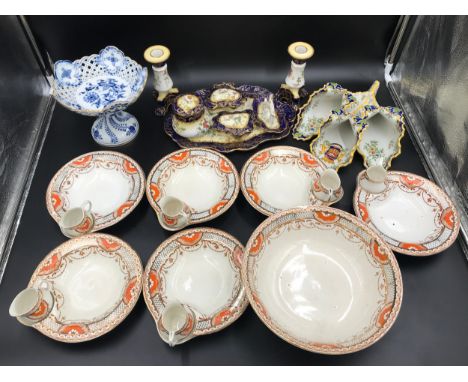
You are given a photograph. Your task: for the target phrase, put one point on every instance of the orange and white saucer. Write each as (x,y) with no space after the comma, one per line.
(206,181)
(199,268)
(95,281)
(412,214)
(282,177)
(113,183)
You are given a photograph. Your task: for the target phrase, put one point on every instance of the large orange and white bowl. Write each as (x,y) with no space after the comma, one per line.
(322,280)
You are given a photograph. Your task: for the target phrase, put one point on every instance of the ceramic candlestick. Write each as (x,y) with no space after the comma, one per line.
(157,55)
(300,52)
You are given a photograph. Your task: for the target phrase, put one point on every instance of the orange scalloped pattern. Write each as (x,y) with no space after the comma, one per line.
(262,158)
(257,245)
(180,157)
(130,291)
(83,161)
(108,245)
(224,166)
(379,254)
(153,283)
(190,239)
(50,266)
(218,206)
(129,167)
(448,218)
(326,217)
(56,201)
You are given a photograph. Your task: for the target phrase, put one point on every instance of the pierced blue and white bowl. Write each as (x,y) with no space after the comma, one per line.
(102,85)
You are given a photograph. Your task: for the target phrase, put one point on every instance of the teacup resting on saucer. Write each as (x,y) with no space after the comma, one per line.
(32,305)
(175,214)
(77,221)
(373,180)
(328,187)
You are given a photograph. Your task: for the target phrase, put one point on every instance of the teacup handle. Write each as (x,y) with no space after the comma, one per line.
(86,206)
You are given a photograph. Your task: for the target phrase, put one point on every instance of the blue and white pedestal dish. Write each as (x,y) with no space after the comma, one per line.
(102,85)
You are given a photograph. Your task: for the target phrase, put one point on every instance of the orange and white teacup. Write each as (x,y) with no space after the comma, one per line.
(77,221)
(32,305)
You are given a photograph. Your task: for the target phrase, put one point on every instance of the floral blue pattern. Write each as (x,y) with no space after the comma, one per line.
(102,85)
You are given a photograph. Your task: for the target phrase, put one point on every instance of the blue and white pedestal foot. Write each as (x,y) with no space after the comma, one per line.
(115,129)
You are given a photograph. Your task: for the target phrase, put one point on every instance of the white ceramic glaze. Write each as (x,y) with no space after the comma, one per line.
(318,284)
(204,180)
(191,129)
(95,281)
(199,268)
(112,182)
(281,177)
(412,214)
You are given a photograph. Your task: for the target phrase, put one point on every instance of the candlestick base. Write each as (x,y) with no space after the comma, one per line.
(164,100)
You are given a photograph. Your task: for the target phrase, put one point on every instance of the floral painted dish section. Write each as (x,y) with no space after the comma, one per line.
(280,177)
(96,282)
(269,123)
(318,108)
(413,215)
(337,140)
(200,268)
(381,134)
(322,280)
(205,180)
(113,183)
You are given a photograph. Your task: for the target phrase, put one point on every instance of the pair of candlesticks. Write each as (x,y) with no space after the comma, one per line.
(157,56)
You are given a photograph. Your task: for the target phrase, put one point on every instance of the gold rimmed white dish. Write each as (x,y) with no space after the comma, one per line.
(322,280)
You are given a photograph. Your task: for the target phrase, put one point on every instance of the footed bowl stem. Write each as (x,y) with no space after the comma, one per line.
(115,128)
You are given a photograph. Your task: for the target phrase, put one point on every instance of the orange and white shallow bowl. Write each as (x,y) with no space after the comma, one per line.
(203,179)
(200,268)
(113,182)
(413,215)
(322,280)
(95,280)
(281,177)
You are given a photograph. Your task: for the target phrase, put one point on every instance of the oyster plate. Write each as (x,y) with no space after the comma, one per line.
(200,268)
(96,282)
(281,177)
(111,181)
(413,215)
(205,180)
(322,280)
(223,141)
